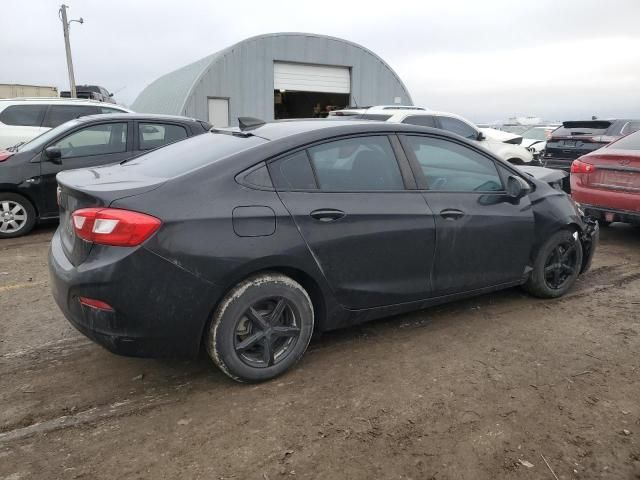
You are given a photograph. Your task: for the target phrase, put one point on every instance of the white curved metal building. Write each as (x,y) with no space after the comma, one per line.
(279,75)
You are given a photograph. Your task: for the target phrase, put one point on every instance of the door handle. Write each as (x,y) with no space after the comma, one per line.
(451,214)
(327,215)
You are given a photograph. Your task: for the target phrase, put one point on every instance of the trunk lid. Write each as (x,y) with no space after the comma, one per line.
(575,139)
(617,170)
(95,187)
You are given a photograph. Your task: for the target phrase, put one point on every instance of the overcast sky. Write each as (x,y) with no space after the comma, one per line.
(484,59)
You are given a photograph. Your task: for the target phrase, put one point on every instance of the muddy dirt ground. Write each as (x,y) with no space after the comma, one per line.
(480,389)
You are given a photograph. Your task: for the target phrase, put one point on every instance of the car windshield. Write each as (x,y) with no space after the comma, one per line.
(41,140)
(535,134)
(630,142)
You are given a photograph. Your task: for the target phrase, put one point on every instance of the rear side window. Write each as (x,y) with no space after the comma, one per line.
(458,126)
(293,173)
(95,140)
(154,135)
(23,115)
(449,166)
(59,114)
(421,120)
(630,142)
(356,164)
(109,110)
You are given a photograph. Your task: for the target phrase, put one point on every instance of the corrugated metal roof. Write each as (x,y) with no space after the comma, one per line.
(168,93)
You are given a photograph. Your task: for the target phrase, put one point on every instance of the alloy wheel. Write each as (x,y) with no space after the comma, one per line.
(560,265)
(13,216)
(267,332)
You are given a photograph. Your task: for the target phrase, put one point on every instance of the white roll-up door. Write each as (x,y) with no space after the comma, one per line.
(311,78)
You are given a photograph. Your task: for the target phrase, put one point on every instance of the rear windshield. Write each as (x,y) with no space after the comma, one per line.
(630,142)
(187,155)
(586,127)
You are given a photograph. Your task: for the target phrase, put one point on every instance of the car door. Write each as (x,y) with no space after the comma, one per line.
(89,146)
(151,135)
(372,238)
(483,236)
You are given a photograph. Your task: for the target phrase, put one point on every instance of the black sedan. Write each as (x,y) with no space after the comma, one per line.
(246,241)
(28,171)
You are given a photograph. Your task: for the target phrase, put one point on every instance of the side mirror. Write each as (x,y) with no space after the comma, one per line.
(480,136)
(53,154)
(517,187)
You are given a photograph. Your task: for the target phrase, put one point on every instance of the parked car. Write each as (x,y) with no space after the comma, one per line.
(505,145)
(607,182)
(535,139)
(91,92)
(27,173)
(22,119)
(576,138)
(246,241)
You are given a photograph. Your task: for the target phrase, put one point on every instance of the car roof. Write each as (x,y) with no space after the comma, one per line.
(322,127)
(135,116)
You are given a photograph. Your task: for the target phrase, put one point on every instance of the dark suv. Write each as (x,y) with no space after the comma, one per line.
(91,92)
(576,138)
(28,172)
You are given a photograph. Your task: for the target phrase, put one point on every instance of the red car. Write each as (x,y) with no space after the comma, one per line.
(606,182)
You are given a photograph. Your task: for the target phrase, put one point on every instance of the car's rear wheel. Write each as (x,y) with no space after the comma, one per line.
(17,215)
(261,328)
(556,266)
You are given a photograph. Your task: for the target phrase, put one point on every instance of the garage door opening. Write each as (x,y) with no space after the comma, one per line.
(308,91)
(307,104)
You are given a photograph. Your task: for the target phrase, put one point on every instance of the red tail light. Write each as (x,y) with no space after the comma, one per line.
(582,167)
(4,155)
(112,226)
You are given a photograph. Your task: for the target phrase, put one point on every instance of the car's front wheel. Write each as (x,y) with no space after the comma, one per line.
(557,266)
(17,215)
(261,328)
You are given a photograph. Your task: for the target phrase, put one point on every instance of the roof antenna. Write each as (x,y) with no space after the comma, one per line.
(249,123)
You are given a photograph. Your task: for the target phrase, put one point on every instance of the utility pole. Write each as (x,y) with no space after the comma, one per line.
(65,27)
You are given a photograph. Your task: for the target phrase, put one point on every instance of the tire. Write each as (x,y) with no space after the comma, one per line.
(17,215)
(551,277)
(244,338)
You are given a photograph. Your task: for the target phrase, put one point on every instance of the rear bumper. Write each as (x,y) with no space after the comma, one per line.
(607,214)
(598,202)
(159,310)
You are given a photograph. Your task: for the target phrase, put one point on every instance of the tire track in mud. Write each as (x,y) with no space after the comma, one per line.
(66,354)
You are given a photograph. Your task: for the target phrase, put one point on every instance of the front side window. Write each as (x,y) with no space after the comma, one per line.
(449,166)
(23,115)
(454,125)
(421,120)
(59,114)
(154,135)
(353,164)
(95,140)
